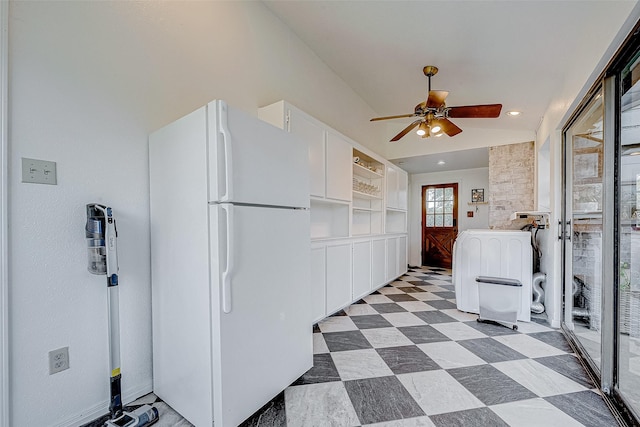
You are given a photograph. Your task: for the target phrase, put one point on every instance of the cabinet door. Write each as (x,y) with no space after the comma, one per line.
(403,189)
(392,258)
(378,262)
(392,188)
(339,167)
(338,276)
(361,269)
(318,283)
(402,255)
(311,131)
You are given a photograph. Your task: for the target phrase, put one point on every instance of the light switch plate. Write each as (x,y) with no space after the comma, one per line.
(39,171)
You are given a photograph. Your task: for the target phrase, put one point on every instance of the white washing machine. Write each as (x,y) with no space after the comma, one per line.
(497,253)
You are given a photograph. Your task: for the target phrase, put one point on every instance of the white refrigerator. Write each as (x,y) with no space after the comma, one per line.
(230,260)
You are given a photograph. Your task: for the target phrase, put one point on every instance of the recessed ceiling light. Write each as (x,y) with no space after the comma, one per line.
(513,113)
(441,162)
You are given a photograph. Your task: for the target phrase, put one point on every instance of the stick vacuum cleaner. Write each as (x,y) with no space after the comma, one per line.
(103,259)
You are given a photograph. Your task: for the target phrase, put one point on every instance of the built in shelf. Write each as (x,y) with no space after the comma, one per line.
(477,203)
(366,196)
(365,172)
(365,209)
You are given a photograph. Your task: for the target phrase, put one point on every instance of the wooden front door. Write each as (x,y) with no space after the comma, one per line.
(439,224)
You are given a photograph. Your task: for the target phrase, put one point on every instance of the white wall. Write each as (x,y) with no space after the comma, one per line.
(88,82)
(467,180)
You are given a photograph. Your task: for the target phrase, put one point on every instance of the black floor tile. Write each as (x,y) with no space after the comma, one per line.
(434,316)
(586,407)
(441,304)
(554,338)
(423,334)
(324,370)
(569,366)
(370,321)
(491,329)
(445,295)
(490,350)
(480,417)
(272,414)
(344,341)
(490,385)
(407,359)
(381,399)
(389,307)
(410,289)
(400,297)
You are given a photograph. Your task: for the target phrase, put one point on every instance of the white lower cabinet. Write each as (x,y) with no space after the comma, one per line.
(361,268)
(378,262)
(402,255)
(392,258)
(338,283)
(318,282)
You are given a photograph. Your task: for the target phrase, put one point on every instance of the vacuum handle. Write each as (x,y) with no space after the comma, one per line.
(228,269)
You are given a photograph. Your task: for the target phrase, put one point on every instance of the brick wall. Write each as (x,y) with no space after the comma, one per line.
(511,183)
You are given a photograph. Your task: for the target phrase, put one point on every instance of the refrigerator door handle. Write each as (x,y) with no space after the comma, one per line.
(228,162)
(228,270)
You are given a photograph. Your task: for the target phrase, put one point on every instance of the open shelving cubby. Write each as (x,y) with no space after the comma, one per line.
(367,195)
(329,219)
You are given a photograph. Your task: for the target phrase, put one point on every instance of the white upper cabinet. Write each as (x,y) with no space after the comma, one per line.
(397,186)
(299,123)
(339,170)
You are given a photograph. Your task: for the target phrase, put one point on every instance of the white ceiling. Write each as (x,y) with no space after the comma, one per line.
(517,52)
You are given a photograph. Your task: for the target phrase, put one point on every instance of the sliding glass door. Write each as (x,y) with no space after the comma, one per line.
(584,150)
(628,245)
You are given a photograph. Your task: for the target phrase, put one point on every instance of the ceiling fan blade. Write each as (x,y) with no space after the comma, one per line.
(436,98)
(447,126)
(406,130)
(391,117)
(490,111)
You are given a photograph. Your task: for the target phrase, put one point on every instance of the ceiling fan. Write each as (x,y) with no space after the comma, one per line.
(433,115)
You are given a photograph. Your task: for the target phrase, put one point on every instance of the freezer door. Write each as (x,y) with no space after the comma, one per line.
(251,161)
(262,324)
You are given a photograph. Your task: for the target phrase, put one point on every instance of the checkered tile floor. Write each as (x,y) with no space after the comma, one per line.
(405,356)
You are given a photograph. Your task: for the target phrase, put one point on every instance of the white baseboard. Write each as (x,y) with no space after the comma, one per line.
(101,408)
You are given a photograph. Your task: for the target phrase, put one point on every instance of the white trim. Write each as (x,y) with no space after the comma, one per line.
(4,223)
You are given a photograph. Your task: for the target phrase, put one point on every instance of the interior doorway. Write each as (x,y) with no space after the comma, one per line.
(439,224)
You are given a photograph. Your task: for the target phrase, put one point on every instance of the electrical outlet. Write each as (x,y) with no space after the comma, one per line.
(58,360)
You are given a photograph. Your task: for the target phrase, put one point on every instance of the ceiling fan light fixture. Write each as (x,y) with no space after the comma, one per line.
(513,113)
(438,135)
(436,129)
(422,129)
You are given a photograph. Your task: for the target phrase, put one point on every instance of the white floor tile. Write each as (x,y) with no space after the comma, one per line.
(403,319)
(425,296)
(337,324)
(538,378)
(319,345)
(528,346)
(360,310)
(357,364)
(449,354)
(438,392)
(531,327)
(376,299)
(387,290)
(458,331)
(415,306)
(326,404)
(386,337)
(533,413)
(461,316)
(407,422)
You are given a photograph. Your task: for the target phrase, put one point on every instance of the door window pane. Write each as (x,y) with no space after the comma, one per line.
(439,221)
(448,220)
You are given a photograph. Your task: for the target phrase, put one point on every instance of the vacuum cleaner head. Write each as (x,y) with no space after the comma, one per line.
(144,416)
